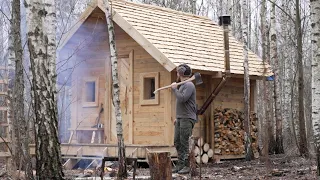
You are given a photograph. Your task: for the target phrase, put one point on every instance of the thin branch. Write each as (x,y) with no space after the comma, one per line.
(290,17)
(5,15)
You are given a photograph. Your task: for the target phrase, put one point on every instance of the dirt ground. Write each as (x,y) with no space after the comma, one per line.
(281,167)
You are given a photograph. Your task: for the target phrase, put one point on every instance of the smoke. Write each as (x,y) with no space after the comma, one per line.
(81,79)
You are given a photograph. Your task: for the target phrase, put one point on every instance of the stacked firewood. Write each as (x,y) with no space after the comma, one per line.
(202,151)
(229,132)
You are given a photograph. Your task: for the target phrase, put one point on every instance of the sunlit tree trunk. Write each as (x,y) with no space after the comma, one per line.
(42,48)
(122,172)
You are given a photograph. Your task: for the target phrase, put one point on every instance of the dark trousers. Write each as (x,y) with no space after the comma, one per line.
(182,132)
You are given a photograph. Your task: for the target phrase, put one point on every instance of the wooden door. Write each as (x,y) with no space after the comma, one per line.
(125,81)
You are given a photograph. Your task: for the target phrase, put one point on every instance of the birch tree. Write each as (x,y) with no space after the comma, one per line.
(274,59)
(122,172)
(42,48)
(266,120)
(315,24)
(20,139)
(287,86)
(303,147)
(247,136)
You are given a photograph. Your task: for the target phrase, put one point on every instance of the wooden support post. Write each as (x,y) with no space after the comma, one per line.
(160,165)
(69,164)
(93,136)
(71,136)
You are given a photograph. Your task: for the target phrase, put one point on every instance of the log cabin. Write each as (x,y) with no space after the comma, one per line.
(151,42)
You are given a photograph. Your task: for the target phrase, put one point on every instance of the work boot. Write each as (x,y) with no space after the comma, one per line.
(184,170)
(178,167)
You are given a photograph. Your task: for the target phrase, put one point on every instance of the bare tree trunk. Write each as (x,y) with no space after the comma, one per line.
(303,147)
(315,24)
(265,91)
(277,99)
(122,172)
(247,136)
(20,155)
(269,96)
(42,49)
(289,143)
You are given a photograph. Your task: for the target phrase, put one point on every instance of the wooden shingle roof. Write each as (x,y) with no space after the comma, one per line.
(186,38)
(174,37)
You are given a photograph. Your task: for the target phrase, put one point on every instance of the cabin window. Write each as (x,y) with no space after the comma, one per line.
(149,83)
(90,92)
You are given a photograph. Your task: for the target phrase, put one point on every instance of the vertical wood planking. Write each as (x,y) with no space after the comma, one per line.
(131,81)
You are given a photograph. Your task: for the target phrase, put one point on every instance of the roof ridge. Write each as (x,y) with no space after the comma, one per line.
(163,9)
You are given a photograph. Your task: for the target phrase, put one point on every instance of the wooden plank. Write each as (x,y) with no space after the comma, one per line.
(168,131)
(70,163)
(253,95)
(208,91)
(139,151)
(140,39)
(107,102)
(131,107)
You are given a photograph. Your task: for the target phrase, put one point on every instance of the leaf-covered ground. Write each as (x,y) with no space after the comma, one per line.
(281,167)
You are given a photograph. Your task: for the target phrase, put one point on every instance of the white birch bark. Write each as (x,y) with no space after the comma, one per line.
(41,24)
(289,141)
(122,172)
(274,59)
(247,136)
(315,24)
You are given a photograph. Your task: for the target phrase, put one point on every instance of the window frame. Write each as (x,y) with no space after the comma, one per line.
(84,92)
(144,76)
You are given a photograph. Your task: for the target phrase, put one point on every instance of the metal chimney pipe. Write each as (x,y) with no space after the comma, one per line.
(225,22)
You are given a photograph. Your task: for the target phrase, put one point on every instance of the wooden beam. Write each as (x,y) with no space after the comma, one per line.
(70,163)
(131,98)
(108,103)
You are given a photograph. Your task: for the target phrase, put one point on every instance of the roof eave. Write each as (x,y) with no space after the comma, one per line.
(140,39)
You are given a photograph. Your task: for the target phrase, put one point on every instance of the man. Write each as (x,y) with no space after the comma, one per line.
(185,117)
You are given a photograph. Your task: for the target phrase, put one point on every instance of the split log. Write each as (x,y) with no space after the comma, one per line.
(210,153)
(205,158)
(206,147)
(196,151)
(229,132)
(201,151)
(200,142)
(160,165)
(198,159)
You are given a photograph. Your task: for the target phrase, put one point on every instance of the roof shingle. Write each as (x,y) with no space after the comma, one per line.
(187,38)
